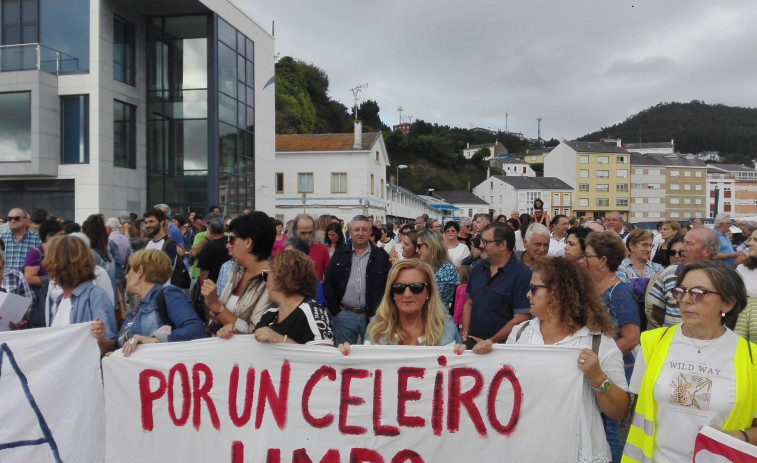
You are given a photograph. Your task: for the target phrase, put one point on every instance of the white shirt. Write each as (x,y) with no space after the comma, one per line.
(696,387)
(592,445)
(556,247)
(458,253)
(155,244)
(750,279)
(63,315)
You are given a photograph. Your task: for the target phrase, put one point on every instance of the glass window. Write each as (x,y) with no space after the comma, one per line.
(583,159)
(638,171)
(675,186)
(227,70)
(191,145)
(304,183)
(687,173)
(226,33)
(279,182)
(621,201)
(621,173)
(687,187)
(124,135)
(583,187)
(621,159)
(65,28)
(602,202)
(603,173)
(339,182)
(583,202)
(674,173)
(75,129)
(583,173)
(621,187)
(674,201)
(124,45)
(698,173)
(603,187)
(15,126)
(603,159)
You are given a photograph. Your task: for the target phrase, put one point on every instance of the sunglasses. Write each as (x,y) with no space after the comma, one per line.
(533,287)
(696,293)
(485,243)
(415,288)
(264,275)
(231,238)
(14,219)
(675,253)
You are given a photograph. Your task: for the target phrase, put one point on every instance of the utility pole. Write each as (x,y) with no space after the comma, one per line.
(506,131)
(399,110)
(355,91)
(538,124)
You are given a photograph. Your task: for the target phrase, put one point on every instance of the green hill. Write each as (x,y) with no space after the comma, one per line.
(694,126)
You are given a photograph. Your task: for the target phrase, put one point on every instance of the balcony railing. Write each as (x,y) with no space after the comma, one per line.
(35,56)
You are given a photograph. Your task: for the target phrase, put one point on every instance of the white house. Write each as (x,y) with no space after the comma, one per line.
(513,166)
(467,203)
(505,194)
(109,105)
(495,149)
(405,206)
(651,148)
(340,174)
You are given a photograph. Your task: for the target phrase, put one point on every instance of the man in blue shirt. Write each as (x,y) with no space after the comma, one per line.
(19,240)
(721,226)
(497,289)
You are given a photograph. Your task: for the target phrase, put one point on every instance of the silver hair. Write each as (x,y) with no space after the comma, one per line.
(536,229)
(165,209)
(722,218)
(358,218)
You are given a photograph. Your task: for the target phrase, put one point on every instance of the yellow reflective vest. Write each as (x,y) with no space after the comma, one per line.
(655,345)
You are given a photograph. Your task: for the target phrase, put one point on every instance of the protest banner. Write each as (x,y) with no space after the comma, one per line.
(241,401)
(713,446)
(51,396)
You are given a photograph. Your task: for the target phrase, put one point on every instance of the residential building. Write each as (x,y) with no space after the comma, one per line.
(651,148)
(342,174)
(598,173)
(404,127)
(495,149)
(513,165)
(109,105)
(468,203)
(507,193)
(666,188)
(731,188)
(405,206)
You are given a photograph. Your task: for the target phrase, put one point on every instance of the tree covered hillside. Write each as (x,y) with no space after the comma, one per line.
(432,152)
(695,127)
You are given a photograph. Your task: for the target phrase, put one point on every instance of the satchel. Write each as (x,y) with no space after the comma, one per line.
(180,276)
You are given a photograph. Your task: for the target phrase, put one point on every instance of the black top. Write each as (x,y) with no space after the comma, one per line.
(310,323)
(212,257)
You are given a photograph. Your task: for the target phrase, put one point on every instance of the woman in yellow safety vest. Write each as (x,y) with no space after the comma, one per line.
(694,374)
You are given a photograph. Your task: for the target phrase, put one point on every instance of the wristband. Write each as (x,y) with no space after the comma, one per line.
(746,436)
(285,341)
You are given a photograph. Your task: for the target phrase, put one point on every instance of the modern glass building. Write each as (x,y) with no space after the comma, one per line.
(119,105)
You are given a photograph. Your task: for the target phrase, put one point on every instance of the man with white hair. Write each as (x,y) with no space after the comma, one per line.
(536,242)
(721,226)
(113,227)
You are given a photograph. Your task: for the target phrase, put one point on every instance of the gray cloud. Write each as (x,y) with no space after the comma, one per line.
(579,65)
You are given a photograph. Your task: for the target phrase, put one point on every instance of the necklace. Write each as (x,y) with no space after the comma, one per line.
(698,347)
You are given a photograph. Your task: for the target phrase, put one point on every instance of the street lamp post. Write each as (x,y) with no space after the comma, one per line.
(401,166)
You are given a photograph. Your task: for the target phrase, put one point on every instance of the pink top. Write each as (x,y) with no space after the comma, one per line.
(278,245)
(460,299)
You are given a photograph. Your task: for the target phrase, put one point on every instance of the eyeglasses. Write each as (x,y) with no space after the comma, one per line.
(264,275)
(231,238)
(485,243)
(695,293)
(533,287)
(415,288)
(586,256)
(14,219)
(675,253)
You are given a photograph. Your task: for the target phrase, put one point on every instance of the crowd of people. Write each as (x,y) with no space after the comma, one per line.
(663,317)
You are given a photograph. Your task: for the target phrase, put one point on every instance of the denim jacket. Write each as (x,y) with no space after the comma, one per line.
(145,318)
(89,302)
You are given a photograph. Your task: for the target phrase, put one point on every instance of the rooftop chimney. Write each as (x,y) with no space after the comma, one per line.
(358,143)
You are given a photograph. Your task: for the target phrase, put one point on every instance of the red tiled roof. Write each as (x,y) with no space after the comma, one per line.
(323,142)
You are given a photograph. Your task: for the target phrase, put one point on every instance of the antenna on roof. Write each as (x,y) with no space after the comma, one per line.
(355,91)
(538,125)
(399,110)
(506,114)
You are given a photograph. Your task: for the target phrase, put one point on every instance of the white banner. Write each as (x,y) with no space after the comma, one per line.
(241,401)
(51,396)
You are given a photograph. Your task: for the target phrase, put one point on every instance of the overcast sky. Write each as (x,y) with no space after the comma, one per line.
(578,64)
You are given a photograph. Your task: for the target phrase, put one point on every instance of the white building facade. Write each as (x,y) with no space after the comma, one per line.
(109,105)
(339,174)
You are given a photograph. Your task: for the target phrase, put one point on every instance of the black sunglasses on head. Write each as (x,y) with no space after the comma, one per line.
(415,288)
